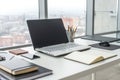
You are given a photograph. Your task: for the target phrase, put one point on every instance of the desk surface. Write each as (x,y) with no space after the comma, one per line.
(64,69)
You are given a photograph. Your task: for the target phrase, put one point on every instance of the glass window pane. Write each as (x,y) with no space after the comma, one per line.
(105,18)
(73,13)
(13,16)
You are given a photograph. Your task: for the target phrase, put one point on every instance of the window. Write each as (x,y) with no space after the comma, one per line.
(105,16)
(13,16)
(72,12)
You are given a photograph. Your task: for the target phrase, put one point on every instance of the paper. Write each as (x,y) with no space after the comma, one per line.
(89,56)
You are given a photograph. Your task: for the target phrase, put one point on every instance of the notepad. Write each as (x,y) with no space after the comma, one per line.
(90,56)
(41,72)
(17,66)
(18,51)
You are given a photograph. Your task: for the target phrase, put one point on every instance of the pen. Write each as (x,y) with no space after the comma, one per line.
(12,57)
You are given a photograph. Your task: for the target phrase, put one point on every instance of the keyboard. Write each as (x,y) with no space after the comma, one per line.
(62,49)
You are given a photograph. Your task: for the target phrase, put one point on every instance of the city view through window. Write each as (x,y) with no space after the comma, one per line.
(14,13)
(73,13)
(13,16)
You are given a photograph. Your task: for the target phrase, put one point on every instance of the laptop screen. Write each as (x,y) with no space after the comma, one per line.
(46,32)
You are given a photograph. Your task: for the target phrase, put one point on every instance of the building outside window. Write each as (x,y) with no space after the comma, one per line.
(13,16)
(14,13)
(72,12)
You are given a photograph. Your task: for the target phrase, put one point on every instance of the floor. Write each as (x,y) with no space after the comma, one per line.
(111,73)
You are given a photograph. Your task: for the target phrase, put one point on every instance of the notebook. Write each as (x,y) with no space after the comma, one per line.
(20,69)
(89,56)
(49,36)
(41,72)
(17,66)
(18,51)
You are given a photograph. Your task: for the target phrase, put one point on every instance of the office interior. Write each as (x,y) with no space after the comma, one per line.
(91,17)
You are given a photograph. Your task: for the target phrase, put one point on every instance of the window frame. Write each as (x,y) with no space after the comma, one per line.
(118,20)
(90,4)
(90,17)
(43,10)
(90,20)
(43,14)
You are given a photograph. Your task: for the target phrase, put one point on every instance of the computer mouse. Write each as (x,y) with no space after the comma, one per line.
(104,44)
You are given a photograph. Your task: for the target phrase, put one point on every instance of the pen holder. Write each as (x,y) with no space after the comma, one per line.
(70,36)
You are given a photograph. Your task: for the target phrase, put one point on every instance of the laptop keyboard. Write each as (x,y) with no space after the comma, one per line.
(61,47)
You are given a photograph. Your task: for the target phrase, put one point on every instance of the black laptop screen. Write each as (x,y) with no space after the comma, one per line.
(46,32)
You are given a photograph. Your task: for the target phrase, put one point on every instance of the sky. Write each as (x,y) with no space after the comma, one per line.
(23,6)
(17,6)
(79,4)
(67,7)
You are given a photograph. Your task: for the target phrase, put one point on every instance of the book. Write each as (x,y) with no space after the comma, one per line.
(89,56)
(41,72)
(18,51)
(17,66)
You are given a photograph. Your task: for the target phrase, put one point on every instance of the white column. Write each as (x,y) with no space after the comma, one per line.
(118,20)
(93,76)
(42,9)
(90,17)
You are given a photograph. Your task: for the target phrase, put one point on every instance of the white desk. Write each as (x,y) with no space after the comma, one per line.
(69,70)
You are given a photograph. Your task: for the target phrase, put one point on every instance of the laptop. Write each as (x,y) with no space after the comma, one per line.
(49,36)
